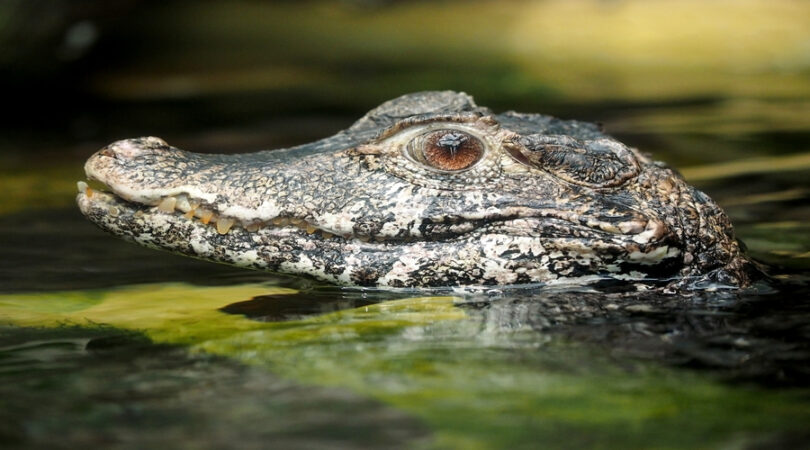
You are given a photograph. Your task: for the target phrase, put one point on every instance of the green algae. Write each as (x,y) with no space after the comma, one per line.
(476,386)
(170,313)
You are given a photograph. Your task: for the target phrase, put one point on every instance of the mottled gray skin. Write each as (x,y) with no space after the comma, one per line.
(549,202)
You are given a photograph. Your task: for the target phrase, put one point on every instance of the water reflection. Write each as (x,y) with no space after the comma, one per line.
(72,387)
(760,335)
(502,369)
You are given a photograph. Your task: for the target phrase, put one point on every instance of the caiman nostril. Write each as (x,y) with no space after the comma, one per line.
(129,149)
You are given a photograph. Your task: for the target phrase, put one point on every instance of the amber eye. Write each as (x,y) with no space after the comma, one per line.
(449,150)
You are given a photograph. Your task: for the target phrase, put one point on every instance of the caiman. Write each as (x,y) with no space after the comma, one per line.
(427,189)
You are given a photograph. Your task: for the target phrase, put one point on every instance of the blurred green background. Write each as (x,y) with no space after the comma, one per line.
(78,70)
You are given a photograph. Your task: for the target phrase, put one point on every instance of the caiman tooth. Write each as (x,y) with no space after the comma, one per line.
(224,225)
(280,221)
(326,234)
(310,228)
(183,203)
(82,186)
(253,227)
(138,213)
(167,204)
(205,215)
(192,209)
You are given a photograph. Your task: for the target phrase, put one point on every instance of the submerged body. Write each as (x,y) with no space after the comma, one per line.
(428,189)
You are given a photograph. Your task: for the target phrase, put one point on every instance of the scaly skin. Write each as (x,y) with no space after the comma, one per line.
(426,190)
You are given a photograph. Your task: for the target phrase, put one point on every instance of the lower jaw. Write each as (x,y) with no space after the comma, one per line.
(182,207)
(239,247)
(99,204)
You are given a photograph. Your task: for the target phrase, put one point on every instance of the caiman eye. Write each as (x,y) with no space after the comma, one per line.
(446,150)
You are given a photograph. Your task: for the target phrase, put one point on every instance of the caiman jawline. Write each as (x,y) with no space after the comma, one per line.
(511,218)
(191,209)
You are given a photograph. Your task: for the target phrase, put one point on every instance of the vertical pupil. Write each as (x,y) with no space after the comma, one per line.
(449,150)
(452,142)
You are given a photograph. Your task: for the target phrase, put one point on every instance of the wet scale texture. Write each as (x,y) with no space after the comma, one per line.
(405,198)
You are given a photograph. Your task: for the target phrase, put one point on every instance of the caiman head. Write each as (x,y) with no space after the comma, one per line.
(425,190)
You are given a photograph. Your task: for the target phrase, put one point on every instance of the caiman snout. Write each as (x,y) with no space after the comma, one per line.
(145,170)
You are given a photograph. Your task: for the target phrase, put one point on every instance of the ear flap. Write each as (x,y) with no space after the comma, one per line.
(419,103)
(594,163)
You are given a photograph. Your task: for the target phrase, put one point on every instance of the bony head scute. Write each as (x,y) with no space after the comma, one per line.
(446,150)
